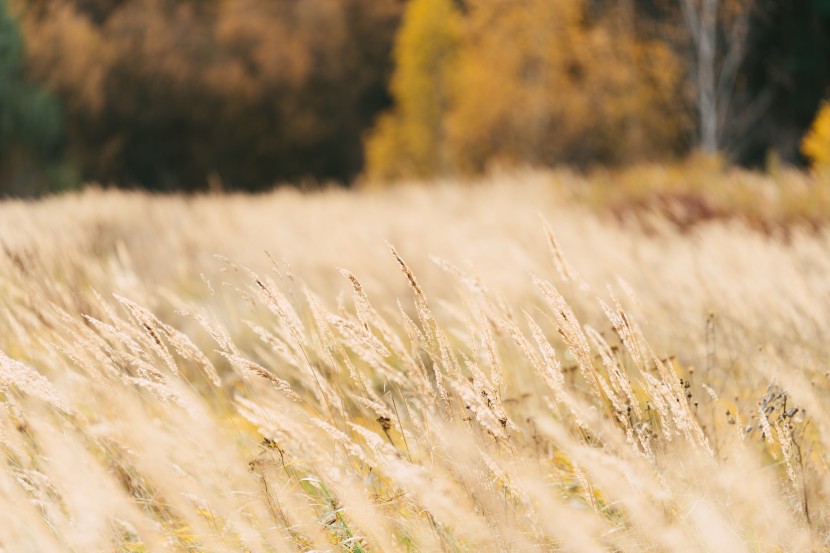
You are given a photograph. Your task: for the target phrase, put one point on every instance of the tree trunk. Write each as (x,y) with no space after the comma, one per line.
(707,97)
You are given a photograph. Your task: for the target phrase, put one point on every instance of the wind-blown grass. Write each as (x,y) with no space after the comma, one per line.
(418,369)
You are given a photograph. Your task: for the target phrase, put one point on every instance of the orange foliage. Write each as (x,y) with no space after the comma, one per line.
(164,92)
(541,82)
(536,82)
(70,54)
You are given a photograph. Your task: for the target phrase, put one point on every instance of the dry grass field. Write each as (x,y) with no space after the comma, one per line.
(502,367)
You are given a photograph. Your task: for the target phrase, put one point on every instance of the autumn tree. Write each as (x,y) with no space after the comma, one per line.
(410,140)
(543,82)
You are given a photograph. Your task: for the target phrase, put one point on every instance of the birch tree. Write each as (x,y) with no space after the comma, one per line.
(717,65)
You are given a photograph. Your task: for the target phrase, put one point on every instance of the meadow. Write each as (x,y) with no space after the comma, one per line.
(536,361)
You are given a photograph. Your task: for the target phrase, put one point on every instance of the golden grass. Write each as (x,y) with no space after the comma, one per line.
(443,368)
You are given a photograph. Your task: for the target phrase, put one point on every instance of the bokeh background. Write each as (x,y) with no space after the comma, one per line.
(193,95)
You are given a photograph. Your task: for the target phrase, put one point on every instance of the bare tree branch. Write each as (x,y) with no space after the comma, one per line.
(733,60)
(692,19)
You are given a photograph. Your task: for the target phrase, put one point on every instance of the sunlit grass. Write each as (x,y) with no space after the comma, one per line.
(504,367)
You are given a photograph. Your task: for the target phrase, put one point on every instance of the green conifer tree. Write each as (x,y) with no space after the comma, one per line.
(30,123)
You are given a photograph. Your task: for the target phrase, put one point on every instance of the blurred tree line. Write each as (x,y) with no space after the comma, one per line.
(184,94)
(189,94)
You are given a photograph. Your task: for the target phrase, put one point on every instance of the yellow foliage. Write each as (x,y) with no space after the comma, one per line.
(540,82)
(816,144)
(409,141)
(535,82)
(512,63)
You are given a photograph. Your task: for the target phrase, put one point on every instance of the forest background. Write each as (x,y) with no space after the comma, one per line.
(244,94)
